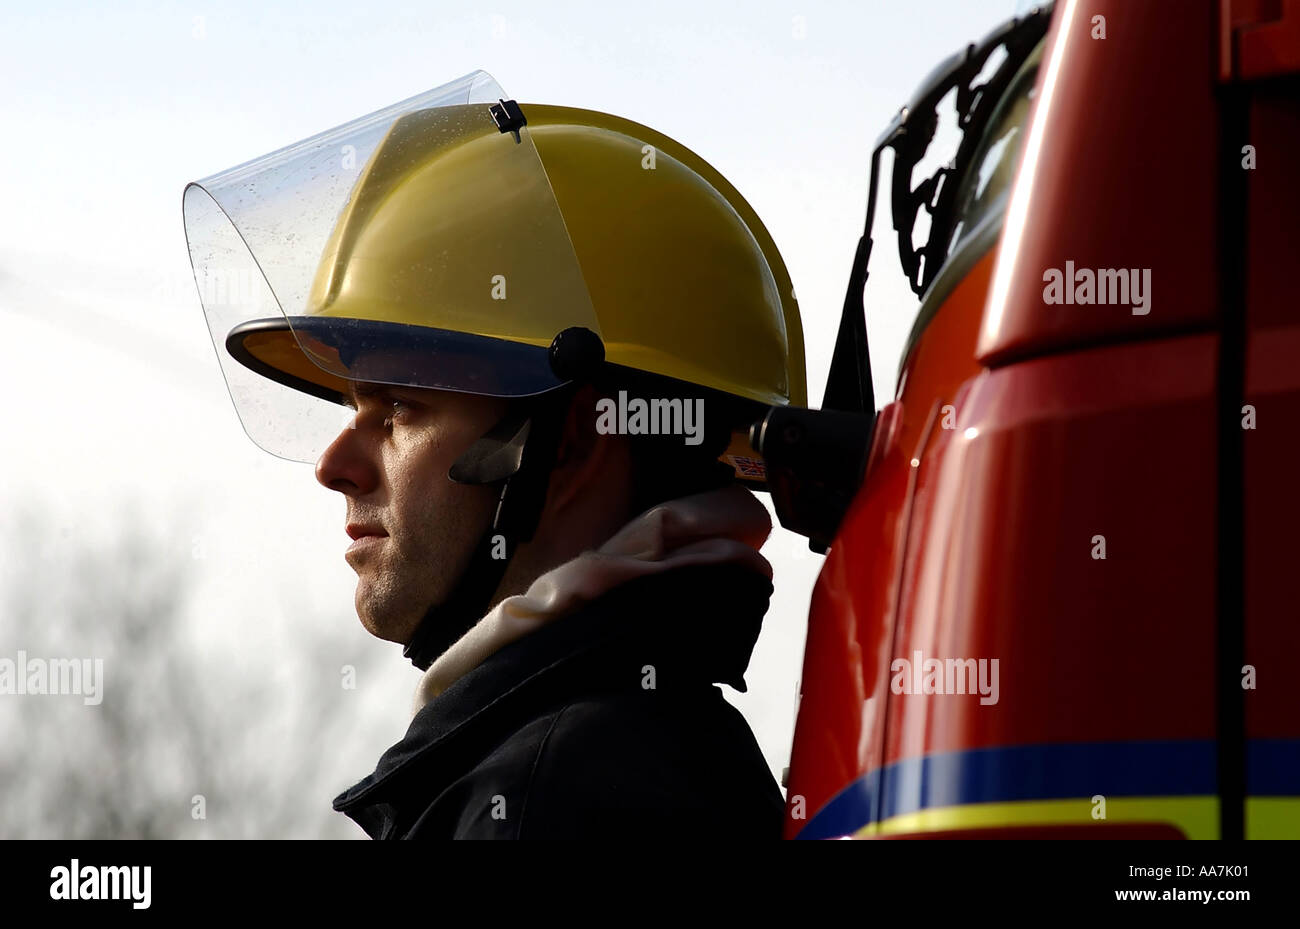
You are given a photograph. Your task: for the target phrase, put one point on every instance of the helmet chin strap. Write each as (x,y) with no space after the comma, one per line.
(519,453)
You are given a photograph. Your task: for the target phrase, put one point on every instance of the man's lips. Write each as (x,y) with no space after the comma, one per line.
(364,536)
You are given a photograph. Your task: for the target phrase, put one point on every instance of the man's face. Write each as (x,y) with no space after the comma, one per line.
(416,528)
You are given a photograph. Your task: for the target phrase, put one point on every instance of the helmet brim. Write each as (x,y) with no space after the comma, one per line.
(389,353)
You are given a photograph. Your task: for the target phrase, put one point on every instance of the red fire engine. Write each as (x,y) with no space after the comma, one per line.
(1058,596)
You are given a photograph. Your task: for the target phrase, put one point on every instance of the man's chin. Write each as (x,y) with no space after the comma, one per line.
(380,631)
(385,623)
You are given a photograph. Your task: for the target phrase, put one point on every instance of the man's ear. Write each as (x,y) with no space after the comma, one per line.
(582,453)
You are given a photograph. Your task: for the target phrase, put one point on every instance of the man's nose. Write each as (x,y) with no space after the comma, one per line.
(346,466)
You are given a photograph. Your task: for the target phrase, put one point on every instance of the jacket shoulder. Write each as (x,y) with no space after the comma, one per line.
(651,763)
(617,766)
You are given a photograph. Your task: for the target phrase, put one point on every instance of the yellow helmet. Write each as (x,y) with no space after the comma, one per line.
(464,237)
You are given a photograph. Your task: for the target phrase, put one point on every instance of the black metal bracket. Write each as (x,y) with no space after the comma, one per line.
(848,385)
(815,459)
(912,131)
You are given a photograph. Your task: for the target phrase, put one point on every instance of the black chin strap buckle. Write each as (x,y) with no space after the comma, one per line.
(519,452)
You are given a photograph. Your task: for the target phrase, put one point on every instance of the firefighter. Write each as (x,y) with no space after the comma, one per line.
(454,293)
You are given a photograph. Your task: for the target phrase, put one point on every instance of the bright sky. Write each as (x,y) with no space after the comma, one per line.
(114,394)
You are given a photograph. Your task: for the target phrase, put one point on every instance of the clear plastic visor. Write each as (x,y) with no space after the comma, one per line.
(420,246)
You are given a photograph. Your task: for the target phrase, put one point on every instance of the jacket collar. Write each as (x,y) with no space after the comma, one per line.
(699,622)
(724,525)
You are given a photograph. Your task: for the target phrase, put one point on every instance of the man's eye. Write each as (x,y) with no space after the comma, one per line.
(397,411)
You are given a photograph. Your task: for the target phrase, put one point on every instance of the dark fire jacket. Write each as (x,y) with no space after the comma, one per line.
(605,723)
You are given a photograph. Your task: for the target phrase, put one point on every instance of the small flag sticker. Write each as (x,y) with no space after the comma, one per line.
(748,467)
